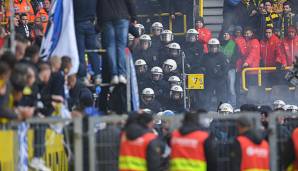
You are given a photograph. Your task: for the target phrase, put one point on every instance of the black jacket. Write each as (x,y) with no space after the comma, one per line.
(154,106)
(109,10)
(84,10)
(214,66)
(255,136)
(193,53)
(76,94)
(153,154)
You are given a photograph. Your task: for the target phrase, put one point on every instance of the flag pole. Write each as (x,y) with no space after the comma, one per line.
(12,27)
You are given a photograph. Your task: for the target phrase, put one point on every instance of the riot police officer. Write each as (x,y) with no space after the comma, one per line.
(156,30)
(166,38)
(158,84)
(175,101)
(170,68)
(142,73)
(148,100)
(214,66)
(193,50)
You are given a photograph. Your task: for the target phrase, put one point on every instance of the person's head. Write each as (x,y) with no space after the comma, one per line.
(166,36)
(156,73)
(47,5)
(225,109)
(31,76)
(140,28)
(9,58)
(213,45)
(191,117)
(287,7)
(21,45)
(44,72)
(141,66)
(292,32)
(5,72)
(269,32)
(55,63)
(16,21)
(226,36)
(261,8)
(32,52)
(145,42)
(268,6)
(191,35)
(174,80)
(146,120)
(248,33)
(265,111)
(66,64)
(37,21)
(176,92)
(199,23)
(238,31)
(174,50)
(130,40)
(18,80)
(71,81)
(244,124)
(169,65)
(277,32)
(24,19)
(156,29)
(148,95)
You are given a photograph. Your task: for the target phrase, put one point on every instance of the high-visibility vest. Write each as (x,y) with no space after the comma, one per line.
(295,142)
(255,157)
(133,152)
(44,18)
(188,151)
(22,7)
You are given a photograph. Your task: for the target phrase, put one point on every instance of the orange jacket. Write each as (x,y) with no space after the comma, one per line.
(295,142)
(271,52)
(44,18)
(188,151)
(254,156)
(290,48)
(22,7)
(252,56)
(204,36)
(133,152)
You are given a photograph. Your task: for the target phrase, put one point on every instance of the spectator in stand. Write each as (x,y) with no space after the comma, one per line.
(23,7)
(24,29)
(31,55)
(43,16)
(47,5)
(204,33)
(288,18)
(229,49)
(272,19)
(248,13)
(20,47)
(86,37)
(261,21)
(114,17)
(252,56)
(37,29)
(290,46)
(230,13)
(241,47)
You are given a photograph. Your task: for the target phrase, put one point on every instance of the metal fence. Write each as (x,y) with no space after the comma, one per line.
(93,143)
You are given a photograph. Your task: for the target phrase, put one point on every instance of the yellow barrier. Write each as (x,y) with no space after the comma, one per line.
(55,156)
(201,6)
(259,70)
(7,147)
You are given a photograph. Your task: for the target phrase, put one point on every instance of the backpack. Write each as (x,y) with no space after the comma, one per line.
(234,2)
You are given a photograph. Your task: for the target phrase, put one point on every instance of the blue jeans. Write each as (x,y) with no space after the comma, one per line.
(115,41)
(86,39)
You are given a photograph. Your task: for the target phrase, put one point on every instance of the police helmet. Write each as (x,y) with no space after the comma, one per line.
(140,28)
(148,94)
(278,105)
(174,80)
(145,38)
(213,41)
(191,35)
(226,108)
(170,65)
(176,92)
(290,108)
(156,28)
(166,36)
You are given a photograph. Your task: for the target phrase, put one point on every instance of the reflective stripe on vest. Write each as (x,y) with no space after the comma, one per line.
(188,151)
(133,152)
(187,165)
(295,142)
(255,157)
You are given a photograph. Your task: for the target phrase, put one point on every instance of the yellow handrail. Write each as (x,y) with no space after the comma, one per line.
(201,6)
(260,69)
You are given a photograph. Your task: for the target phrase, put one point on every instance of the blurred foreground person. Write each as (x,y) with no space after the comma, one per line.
(250,151)
(139,146)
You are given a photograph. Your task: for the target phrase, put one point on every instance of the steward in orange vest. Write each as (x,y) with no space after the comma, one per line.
(139,147)
(290,154)
(190,146)
(22,6)
(251,151)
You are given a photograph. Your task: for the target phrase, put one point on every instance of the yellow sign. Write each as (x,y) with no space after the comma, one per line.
(195,81)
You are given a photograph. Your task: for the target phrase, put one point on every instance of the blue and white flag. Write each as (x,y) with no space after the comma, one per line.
(60,38)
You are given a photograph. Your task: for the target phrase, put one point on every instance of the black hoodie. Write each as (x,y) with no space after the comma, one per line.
(255,136)
(153,154)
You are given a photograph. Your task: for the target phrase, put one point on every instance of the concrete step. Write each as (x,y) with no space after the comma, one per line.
(213,3)
(213,11)
(213,19)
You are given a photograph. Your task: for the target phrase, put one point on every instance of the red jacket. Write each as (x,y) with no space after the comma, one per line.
(252,56)
(271,52)
(254,156)
(242,48)
(204,36)
(290,48)
(295,141)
